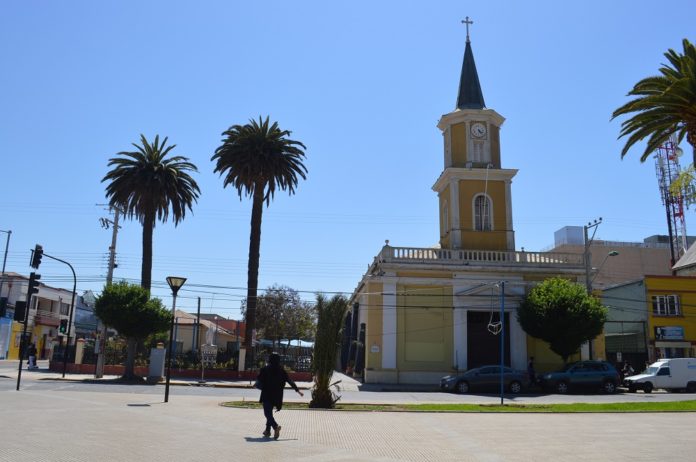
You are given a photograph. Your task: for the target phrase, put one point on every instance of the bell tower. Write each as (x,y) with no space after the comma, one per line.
(474,190)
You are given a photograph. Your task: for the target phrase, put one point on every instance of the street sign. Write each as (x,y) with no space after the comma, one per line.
(209,354)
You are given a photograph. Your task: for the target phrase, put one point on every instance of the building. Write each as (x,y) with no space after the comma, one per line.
(633,262)
(650,319)
(48,308)
(425,312)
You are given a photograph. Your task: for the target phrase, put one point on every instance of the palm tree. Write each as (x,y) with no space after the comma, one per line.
(256,159)
(666,105)
(330,320)
(146,185)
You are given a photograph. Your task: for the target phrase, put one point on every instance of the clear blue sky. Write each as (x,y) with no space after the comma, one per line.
(361,83)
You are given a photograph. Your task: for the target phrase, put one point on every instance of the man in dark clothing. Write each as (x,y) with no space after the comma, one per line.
(271,380)
(531,372)
(32,356)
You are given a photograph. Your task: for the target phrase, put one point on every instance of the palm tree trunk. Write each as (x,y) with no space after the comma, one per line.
(253,268)
(146,271)
(129,369)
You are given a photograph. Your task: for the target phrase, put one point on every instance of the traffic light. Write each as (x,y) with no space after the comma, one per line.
(63,328)
(20,311)
(33,285)
(36,256)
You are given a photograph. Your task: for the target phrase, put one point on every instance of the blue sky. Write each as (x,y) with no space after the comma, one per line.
(362,84)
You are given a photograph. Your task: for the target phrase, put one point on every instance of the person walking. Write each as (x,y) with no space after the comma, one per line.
(271,381)
(531,372)
(32,356)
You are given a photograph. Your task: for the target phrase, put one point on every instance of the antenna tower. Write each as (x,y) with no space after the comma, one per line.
(668,169)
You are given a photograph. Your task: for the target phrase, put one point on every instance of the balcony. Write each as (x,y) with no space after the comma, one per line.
(47,318)
(490,258)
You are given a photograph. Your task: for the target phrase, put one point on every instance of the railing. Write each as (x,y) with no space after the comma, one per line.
(484,257)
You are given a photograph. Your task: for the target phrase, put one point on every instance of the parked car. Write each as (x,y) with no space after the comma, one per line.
(485,378)
(669,374)
(587,375)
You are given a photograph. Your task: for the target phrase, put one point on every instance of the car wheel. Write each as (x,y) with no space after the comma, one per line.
(463,387)
(515,387)
(691,387)
(648,387)
(609,387)
(562,387)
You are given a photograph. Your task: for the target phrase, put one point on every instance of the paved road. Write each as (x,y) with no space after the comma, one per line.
(46,381)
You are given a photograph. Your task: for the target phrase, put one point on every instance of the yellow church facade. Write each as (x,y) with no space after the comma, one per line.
(427,312)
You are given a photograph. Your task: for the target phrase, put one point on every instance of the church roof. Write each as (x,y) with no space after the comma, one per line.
(470,95)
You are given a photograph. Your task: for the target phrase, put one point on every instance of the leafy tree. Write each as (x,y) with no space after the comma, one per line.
(330,317)
(129,309)
(281,314)
(256,159)
(561,313)
(147,186)
(665,104)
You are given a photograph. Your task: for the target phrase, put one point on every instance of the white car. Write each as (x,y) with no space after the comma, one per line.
(668,374)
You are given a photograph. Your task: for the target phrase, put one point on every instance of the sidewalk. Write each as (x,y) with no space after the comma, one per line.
(66,426)
(43,373)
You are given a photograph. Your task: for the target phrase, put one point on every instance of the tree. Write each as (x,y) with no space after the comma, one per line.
(129,309)
(146,185)
(256,159)
(561,313)
(330,317)
(666,104)
(282,314)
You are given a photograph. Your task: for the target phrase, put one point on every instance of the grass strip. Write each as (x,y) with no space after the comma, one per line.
(670,406)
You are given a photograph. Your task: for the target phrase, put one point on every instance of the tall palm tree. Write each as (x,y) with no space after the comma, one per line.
(666,104)
(147,186)
(256,159)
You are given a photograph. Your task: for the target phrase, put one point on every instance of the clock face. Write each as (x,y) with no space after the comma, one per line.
(478,130)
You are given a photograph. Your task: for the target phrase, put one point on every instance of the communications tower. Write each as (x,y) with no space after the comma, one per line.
(668,169)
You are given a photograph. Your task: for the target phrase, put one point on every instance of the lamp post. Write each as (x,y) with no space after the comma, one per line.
(175,284)
(613,253)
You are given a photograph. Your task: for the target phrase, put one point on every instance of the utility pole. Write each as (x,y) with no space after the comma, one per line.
(99,369)
(586,257)
(4,260)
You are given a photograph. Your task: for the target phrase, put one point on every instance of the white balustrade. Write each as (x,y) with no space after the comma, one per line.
(483,257)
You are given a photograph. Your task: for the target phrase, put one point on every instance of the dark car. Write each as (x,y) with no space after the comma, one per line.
(485,378)
(587,375)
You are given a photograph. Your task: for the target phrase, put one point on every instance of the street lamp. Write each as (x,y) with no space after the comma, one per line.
(613,253)
(175,284)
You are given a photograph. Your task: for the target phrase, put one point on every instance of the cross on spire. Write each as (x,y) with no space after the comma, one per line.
(467,21)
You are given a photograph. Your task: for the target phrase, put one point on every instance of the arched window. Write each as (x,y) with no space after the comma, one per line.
(482,213)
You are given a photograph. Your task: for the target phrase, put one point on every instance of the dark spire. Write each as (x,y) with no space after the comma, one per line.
(470,96)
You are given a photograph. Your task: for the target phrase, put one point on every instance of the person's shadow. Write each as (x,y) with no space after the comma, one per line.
(263,439)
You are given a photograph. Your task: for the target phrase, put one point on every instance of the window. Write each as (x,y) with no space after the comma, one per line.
(666,305)
(482,213)
(663,371)
(64,308)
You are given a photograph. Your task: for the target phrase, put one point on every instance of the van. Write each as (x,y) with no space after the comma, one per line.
(668,374)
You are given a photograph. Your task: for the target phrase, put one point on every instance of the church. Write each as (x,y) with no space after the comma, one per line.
(423,313)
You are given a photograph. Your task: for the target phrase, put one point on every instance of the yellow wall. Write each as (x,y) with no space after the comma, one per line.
(373,333)
(485,240)
(424,326)
(685,287)
(459,137)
